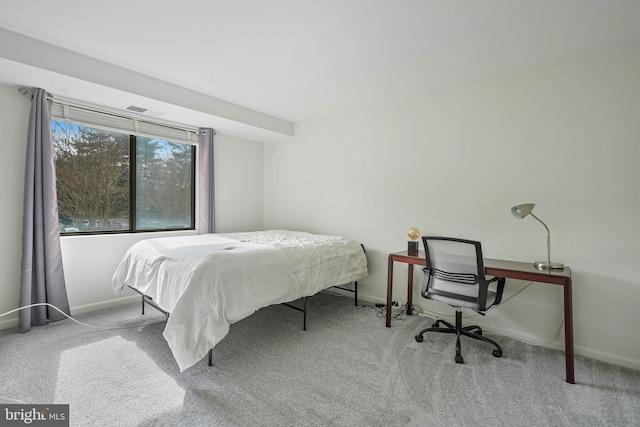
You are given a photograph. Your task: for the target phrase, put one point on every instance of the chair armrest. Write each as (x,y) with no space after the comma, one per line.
(499,289)
(484,286)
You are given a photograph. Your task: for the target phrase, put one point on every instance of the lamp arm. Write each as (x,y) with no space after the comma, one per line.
(548,238)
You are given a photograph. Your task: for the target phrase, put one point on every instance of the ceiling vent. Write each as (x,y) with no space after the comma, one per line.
(136,109)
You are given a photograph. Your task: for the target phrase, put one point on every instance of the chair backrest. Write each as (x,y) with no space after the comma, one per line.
(454,272)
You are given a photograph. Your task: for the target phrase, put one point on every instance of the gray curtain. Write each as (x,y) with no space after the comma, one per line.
(42,274)
(205,218)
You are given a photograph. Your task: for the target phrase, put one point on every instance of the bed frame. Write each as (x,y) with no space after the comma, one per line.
(146,299)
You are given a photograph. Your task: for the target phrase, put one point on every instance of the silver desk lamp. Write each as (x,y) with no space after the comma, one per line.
(525,209)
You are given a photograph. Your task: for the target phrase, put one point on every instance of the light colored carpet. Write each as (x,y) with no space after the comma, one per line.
(347,369)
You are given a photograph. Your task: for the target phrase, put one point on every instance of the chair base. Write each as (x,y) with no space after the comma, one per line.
(474,332)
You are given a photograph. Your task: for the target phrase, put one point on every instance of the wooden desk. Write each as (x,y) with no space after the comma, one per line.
(501,268)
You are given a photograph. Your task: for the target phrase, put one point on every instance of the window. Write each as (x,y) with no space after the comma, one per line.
(109,181)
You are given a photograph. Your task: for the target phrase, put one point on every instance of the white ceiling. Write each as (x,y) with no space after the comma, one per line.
(286,61)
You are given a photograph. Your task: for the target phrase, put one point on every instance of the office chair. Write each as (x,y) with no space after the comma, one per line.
(454,275)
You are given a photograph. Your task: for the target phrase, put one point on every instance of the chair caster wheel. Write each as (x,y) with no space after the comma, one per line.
(459,359)
(479,332)
(435,325)
(419,338)
(497,353)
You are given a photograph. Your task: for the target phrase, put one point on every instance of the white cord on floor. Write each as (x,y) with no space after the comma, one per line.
(70,317)
(49,305)
(10,400)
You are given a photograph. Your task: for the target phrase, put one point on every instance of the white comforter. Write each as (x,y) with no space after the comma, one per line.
(208,282)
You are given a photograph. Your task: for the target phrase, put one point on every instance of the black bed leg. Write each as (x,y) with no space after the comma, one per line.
(211,357)
(143,305)
(304,321)
(356,292)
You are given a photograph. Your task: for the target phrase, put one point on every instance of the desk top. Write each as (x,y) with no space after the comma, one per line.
(499,267)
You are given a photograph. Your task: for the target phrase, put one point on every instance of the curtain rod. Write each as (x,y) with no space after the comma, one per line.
(112,111)
(25,91)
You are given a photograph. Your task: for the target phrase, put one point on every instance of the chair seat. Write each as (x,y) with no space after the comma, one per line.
(460,290)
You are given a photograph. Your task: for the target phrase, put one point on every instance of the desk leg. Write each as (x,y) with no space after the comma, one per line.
(389,291)
(568,331)
(410,290)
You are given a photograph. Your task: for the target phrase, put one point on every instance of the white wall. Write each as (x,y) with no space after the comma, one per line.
(89,261)
(562,134)
(14,113)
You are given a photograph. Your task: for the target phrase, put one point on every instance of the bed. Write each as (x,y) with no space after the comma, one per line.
(208,282)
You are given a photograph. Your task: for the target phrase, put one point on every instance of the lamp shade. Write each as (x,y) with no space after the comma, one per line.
(522,210)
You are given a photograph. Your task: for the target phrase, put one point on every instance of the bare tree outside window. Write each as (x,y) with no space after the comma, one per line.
(92,171)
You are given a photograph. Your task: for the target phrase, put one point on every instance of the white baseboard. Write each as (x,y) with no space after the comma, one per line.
(604,356)
(9,323)
(13,321)
(81,309)
(364,298)
(557,344)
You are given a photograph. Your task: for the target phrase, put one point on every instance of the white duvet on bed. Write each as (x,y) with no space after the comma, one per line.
(207,282)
